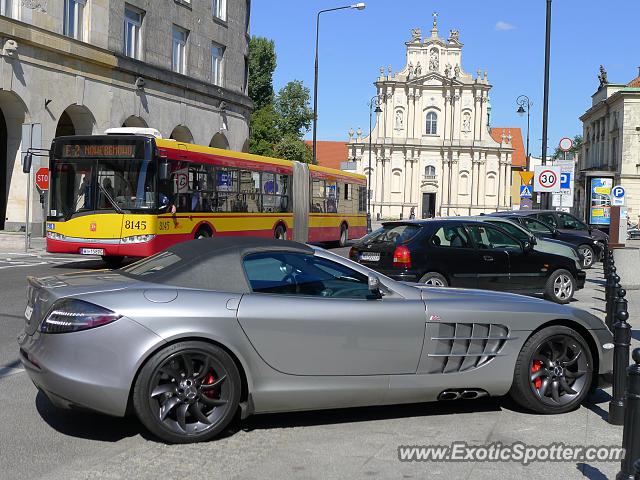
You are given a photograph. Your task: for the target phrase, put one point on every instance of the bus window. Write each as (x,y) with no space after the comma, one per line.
(226,188)
(362,199)
(249,191)
(317,196)
(332,197)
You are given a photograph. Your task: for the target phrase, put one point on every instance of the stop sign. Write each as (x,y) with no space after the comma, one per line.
(42,178)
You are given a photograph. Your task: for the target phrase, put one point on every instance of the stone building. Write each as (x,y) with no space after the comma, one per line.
(431,148)
(610,151)
(82,66)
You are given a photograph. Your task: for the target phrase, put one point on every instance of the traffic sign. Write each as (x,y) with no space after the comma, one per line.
(546,179)
(617,195)
(42,178)
(526,177)
(525,191)
(566,144)
(565,180)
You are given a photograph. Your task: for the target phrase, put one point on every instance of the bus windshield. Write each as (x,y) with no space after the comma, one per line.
(102,185)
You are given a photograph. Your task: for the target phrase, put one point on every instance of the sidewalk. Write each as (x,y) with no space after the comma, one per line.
(13,242)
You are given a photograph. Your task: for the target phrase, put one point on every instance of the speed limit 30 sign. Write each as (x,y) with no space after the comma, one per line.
(547,179)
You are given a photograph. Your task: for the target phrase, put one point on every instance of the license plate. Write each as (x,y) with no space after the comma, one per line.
(28,312)
(370,257)
(92,251)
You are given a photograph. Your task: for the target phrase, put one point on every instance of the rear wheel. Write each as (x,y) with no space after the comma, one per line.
(202,233)
(553,372)
(112,261)
(560,287)
(588,255)
(280,233)
(187,392)
(344,236)
(434,279)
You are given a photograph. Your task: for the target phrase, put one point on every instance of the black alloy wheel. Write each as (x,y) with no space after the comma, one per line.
(554,371)
(588,255)
(188,392)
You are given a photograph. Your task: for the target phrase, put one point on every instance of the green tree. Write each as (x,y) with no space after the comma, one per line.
(292,106)
(264,131)
(291,147)
(575,150)
(262,64)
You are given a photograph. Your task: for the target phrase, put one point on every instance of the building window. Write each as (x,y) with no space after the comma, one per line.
(73,18)
(217,64)
(132,28)
(432,123)
(219,8)
(429,171)
(6,8)
(246,74)
(396,180)
(178,57)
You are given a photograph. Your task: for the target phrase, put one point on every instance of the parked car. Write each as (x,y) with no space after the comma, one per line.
(466,253)
(541,244)
(193,336)
(589,246)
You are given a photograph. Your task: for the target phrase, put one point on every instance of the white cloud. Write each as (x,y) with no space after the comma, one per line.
(504,26)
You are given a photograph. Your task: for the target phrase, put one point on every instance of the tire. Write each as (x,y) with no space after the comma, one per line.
(112,261)
(165,387)
(588,256)
(344,236)
(202,233)
(536,355)
(434,279)
(280,233)
(560,287)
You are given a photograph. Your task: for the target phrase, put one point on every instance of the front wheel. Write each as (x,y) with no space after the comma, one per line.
(560,287)
(588,256)
(344,236)
(202,233)
(434,279)
(112,261)
(187,392)
(280,233)
(553,372)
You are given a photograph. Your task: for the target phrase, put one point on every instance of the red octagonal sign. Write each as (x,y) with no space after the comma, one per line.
(42,178)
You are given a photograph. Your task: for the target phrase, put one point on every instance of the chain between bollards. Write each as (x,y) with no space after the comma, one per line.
(622,342)
(631,433)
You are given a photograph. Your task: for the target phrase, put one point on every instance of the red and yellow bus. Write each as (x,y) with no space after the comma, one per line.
(121,195)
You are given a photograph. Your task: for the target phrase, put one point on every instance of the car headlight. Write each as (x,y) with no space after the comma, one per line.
(137,239)
(72,315)
(55,236)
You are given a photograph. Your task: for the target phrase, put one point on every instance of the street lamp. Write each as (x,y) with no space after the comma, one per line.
(357,6)
(377,101)
(524,106)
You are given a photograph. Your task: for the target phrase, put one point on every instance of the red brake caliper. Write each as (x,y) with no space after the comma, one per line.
(208,381)
(537,365)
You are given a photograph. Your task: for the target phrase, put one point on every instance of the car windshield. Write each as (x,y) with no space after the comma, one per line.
(535,226)
(394,233)
(512,229)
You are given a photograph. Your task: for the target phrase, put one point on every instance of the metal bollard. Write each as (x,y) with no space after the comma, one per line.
(637,467)
(631,432)
(622,342)
(614,288)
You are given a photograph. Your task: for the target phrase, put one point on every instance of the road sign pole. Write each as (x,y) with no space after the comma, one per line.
(27,214)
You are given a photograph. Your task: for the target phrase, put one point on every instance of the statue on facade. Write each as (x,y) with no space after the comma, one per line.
(454,36)
(602,77)
(418,69)
(398,120)
(456,71)
(410,70)
(466,122)
(447,70)
(416,34)
(434,62)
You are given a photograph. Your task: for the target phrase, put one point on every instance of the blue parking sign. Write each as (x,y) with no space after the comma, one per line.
(565,180)
(525,191)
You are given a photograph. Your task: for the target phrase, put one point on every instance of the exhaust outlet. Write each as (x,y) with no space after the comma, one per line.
(462,394)
(449,395)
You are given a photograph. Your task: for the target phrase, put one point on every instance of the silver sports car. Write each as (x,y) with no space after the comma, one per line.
(187,337)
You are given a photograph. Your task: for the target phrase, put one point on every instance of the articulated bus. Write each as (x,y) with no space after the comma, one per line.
(134,194)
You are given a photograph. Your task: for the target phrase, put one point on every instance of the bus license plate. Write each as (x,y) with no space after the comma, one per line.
(370,257)
(92,251)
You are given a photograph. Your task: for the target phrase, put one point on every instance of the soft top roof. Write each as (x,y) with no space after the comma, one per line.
(214,263)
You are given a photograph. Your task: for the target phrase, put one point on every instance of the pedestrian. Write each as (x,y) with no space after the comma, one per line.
(412,214)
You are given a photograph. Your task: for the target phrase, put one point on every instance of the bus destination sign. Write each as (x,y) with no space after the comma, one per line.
(99,150)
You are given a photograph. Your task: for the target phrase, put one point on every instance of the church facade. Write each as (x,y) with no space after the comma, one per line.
(431,152)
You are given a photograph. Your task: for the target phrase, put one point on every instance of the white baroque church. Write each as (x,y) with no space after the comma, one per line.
(431,151)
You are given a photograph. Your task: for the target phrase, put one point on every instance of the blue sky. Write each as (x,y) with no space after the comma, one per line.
(505,37)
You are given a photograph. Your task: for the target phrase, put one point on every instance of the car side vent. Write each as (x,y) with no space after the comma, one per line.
(461,347)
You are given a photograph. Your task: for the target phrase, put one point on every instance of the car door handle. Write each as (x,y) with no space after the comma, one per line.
(488,258)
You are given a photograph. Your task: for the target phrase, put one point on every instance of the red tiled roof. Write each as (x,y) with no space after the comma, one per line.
(519,158)
(330,154)
(634,83)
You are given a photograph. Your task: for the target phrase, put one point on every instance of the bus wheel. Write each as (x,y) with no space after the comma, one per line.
(202,233)
(112,261)
(280,233)
(344,236)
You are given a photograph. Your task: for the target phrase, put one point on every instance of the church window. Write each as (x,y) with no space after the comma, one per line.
(432,123)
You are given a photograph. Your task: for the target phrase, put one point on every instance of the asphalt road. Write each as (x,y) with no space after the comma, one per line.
(39,441)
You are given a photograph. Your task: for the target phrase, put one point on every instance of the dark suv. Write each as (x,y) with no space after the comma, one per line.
(562,226)
(466,253)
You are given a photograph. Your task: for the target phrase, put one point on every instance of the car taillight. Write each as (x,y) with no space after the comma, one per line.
(402,257)
(353,254)
(71,315)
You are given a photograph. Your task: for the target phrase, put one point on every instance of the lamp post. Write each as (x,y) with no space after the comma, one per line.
(377,100)
(524,105)
(545,107)
(357,6)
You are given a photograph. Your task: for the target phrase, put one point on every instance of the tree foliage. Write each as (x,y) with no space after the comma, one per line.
(292,106)
(575,150)
(291,147)
(262,64)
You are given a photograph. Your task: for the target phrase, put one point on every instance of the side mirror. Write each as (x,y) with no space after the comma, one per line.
(374,287)
(533,240)
(554,232)
(527,247)
(163,170)
(26,165)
